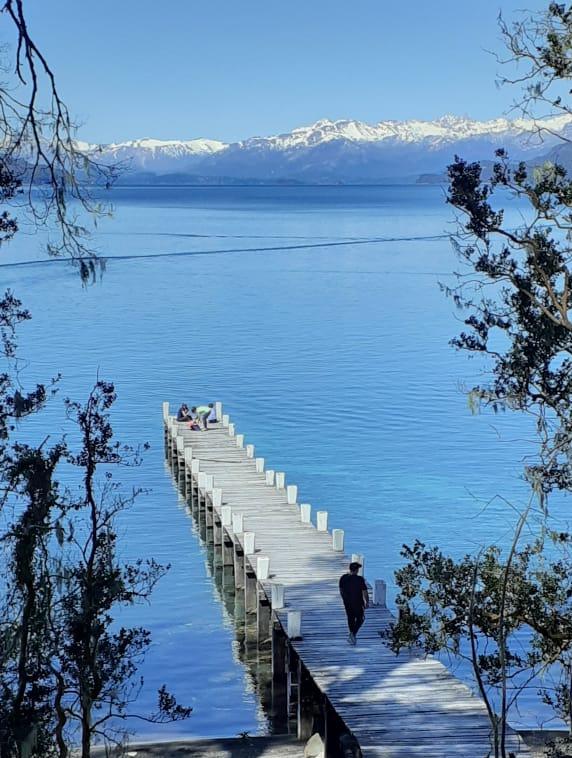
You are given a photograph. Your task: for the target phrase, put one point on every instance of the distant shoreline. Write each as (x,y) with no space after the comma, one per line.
(282,185)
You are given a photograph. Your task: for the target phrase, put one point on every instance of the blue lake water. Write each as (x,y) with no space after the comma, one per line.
(315,315)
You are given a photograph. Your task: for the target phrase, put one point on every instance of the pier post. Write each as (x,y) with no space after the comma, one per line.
(217,528)
(338,540)
(249,541)
(238,565)
(306,513)
(215,495)
(217,545)
(380,593)
(173,445)
(180,446)
(169,440)
(203,506)
(227,543)
(239,619)
(277,597)
(294,631)
(201,476)
(305,709)
(250,588)
(195,505)
(208,504)
(168,436)
(262,567)
(259,465)
(166,425)
(227,546)
(292,494)
(322,521)
(291,684)
(250,603)
(237,523)
(225,512)
(228,564)
(187,468)
(279,643)
(264,613)
(279,676)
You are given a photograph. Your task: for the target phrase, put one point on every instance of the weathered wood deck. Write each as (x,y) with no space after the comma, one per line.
(395,706)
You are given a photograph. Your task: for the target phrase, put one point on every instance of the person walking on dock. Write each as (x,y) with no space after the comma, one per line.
(353,590)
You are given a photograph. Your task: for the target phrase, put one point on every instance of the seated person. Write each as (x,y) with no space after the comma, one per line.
(183,413)
(189,416)
(194,418)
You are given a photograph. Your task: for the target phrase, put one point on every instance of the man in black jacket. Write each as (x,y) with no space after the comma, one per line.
(353,590)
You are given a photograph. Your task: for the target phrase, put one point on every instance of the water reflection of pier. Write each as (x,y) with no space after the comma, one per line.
(255,656)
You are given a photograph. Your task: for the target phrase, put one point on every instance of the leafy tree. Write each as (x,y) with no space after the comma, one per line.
(25,702)
(40,156)
(538,48)
(480,609)
(523,322)
(95,664)
(67,669)
(515,291)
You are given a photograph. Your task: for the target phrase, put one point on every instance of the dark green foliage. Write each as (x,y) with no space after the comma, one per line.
(66,667)
(561,748)
(524,321)
(67,671)
(540,45)
(443,601)
(25,650)
(9,188)
(40,151)
(480,608)
(515,292)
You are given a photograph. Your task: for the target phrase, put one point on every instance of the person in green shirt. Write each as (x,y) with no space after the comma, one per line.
(206,413)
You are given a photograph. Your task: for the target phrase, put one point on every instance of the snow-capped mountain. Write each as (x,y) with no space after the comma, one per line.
(446,129)
(344,150)
(157,156)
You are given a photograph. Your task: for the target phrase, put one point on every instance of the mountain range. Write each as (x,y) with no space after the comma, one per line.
(343,151)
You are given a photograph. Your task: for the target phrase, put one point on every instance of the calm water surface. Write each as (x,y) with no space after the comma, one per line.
(315,315)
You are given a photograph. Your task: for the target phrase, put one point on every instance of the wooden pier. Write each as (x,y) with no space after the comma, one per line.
(284,564)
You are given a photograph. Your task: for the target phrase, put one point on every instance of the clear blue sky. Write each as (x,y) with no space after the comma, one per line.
(230,69)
